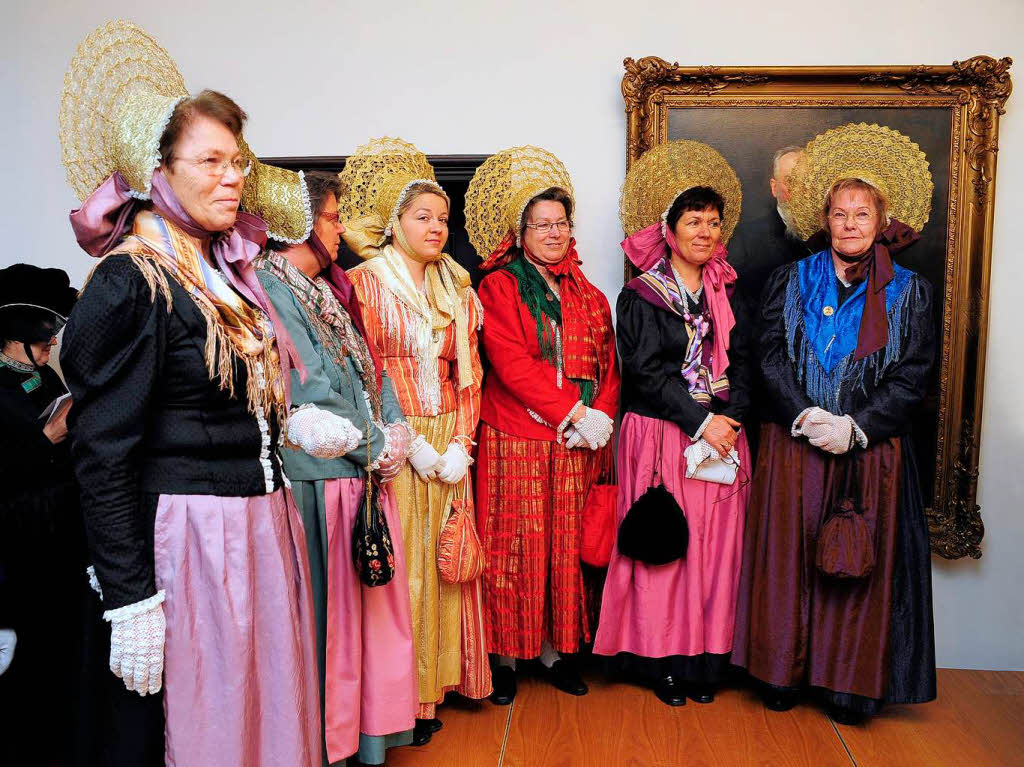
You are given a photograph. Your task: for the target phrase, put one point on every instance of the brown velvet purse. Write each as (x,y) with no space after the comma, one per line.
(846,541)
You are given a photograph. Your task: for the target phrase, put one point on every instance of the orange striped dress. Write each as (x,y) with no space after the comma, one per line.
(421,360)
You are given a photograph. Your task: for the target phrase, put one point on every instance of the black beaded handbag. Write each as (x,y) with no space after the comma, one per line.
(372,550)
(654,530)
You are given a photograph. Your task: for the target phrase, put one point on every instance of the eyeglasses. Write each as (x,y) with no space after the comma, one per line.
(215,168)
(546,226)
(860,218)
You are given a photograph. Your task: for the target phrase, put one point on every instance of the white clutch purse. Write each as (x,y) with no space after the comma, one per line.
(704,462)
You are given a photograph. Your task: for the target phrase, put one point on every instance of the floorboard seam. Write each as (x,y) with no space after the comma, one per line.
(504,737)
(843,741)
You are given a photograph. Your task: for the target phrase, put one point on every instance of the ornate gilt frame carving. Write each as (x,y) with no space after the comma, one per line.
(975,91)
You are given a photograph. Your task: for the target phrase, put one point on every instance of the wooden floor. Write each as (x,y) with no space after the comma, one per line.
(977,720)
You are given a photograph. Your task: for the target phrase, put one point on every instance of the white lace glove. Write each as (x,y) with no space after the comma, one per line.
(454,464)
(8,639)
(137,644)
(572,438)
(837,438)
(424,459)
(321,433)
(812,423)
(595,427)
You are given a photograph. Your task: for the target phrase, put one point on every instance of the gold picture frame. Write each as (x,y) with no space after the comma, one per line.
(964,101)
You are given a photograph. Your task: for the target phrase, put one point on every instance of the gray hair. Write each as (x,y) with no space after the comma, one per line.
(791,149)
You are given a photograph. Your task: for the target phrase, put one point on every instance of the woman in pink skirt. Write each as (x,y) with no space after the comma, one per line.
(685,388)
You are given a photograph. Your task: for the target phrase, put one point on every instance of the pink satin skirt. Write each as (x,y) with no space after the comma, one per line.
(240,677)
(687,607)
(371,663)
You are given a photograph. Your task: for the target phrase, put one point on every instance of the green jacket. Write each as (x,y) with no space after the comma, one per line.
(331,387)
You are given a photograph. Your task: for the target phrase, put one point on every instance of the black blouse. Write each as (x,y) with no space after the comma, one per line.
(651,342)
(147,420)
(881,402)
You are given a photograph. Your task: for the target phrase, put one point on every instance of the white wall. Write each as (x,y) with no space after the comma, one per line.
(474,77)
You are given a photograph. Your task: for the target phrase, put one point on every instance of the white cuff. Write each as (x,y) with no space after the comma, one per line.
(460,446)
(416,445)
(794,430)
(384,455)
(858,434)
(703,426)
(135,608)
(94,582)
(565,421)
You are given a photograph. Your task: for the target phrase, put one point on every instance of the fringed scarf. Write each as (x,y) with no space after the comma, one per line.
(343,290)
(823,338)
(107,216)
(445,283)
(235,330)
(413,314)
(875,266)
(573,330)
(332,323)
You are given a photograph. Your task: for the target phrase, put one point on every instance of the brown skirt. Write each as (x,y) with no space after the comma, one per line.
(796,626)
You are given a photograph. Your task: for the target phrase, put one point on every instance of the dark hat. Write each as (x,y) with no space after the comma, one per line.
(34,302)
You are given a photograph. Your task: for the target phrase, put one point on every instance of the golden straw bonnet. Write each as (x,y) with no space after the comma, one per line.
(119,93)
(879,155)
(279,197)
(664,172)
(501,189)
(376,178)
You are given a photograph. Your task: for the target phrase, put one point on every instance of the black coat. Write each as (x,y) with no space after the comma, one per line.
(147,420)
(651,342)
(882,402)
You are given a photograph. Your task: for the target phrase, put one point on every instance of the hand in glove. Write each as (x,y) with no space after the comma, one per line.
(816,424)
(137,634)
(572,438)
(399,442)
(8,639)
(424,459)
(595,427)
(321,433)
(837,438)
(454,464)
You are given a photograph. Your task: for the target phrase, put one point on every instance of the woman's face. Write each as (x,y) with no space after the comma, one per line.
(206,173)
(425,225)
(698,233)
(328,227)
(852,222)
(547,247)
(40,351)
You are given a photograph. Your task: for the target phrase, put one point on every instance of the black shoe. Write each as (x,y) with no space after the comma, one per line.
(780,700)
(563,676)
(434,725)
(841,715)
(504,680)
(701,693)
(669,691)
(421,732)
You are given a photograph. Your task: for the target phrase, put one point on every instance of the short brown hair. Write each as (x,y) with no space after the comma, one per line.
(207,103)
(319,184)
(551,194)
(877,196)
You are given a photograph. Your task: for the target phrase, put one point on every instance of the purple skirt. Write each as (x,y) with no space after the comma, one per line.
(240,675)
